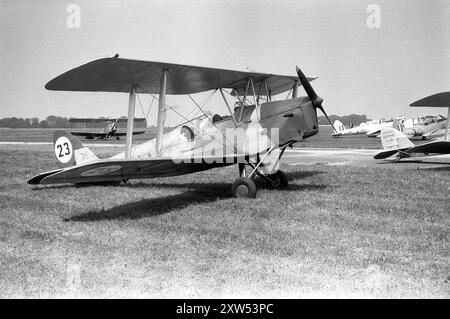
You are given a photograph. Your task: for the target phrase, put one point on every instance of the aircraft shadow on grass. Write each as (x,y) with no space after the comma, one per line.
(438,169)
(415,161)
(196,193)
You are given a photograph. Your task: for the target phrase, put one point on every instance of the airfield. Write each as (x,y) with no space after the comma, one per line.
(347,226)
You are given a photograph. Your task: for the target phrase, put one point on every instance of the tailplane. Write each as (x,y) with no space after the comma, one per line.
(393,141)
(69,151)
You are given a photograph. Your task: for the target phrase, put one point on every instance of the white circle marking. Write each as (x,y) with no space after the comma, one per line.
(63,149)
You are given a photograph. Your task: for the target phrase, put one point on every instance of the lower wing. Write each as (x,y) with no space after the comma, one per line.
(118,170)
(373,133)
(124,133)
(435,147)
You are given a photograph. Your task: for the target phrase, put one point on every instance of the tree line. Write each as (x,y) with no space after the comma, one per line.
(51,121)
(347,120)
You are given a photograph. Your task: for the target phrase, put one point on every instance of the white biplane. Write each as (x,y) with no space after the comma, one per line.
(256,127)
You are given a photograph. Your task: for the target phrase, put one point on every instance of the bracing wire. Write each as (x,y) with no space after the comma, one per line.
(200,108)
(188,121)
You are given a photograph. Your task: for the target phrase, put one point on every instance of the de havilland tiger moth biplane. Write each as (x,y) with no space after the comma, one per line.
(260,126)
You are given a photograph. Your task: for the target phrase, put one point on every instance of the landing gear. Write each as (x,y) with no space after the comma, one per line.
(278,180)
(244,187)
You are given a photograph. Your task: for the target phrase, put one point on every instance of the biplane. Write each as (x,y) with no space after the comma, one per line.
(396,143)
(254,134)
(108,130)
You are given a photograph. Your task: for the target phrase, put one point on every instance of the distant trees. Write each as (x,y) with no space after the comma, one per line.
(347,120)
(51,121)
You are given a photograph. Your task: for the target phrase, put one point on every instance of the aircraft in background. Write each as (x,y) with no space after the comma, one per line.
(428,127)
(370,128)
(259,125)
(109,129)
(395,142)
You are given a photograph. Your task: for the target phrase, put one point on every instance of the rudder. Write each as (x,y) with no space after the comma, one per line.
(339,126)
(69,151)
(392,139)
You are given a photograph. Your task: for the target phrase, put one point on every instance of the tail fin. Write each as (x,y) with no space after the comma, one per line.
(69,151)
(391,139)
(338,126)
(398,124)
(393,142)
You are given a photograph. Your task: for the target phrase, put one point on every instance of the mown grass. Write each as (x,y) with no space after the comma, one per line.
(368,230)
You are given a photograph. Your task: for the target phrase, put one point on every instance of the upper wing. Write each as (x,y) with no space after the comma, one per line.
(118,170)
(434,147)
(435,100)
(119,75)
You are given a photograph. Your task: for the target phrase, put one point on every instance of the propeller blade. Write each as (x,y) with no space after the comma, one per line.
(329,121)
(315,99)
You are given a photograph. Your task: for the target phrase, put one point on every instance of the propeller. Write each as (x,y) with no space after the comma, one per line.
(315,99)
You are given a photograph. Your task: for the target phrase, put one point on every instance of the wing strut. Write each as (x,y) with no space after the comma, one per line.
(295,90)
(130,121)
(161,109)
(448,124)
(228,106)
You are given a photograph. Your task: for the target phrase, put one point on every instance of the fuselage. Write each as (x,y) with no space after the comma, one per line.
(271,124)
(429,125)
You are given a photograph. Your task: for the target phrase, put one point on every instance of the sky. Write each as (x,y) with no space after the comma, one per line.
(377,71)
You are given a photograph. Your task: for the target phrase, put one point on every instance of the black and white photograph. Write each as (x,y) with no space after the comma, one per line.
(225,150)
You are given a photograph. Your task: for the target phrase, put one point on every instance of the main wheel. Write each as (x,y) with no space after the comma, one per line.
(244,187)
(280,180)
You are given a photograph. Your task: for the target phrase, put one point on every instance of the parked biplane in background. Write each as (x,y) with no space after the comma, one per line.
(396,143)
(426,128)
(255,128)
(370,128)
(104,128)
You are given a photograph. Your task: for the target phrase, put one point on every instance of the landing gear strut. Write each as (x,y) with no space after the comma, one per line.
(246,187)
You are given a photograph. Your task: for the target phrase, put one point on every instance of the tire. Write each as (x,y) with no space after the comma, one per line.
(244,187)
(280,180)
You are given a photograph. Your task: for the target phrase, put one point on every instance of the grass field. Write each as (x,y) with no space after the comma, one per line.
(347,226)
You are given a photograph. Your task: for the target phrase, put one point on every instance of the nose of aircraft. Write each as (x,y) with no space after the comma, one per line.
(309,112)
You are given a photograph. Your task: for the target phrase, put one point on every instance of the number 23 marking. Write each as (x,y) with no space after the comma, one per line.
(59,146)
